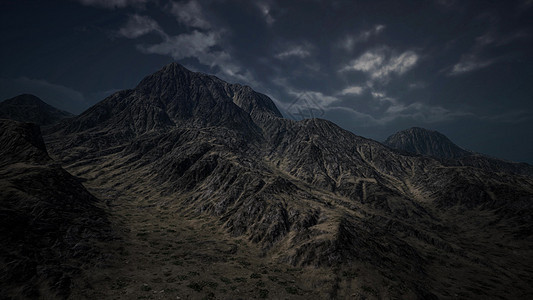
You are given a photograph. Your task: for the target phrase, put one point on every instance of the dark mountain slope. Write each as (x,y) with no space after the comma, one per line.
(307,193)
(48,221)
(29,108)
(22,142)
(432,143)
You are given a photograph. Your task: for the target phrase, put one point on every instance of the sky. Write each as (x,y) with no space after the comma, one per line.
(463,68)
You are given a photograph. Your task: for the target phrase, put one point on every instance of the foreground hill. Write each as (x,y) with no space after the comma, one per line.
(432,143)
(29,108)
(49,223)
(360,218)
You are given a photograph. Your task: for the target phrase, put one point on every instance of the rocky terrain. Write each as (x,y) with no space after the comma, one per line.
(29,108)
(50,224)
(216,195)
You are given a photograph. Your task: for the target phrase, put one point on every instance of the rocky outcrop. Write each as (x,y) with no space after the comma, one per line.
(49,223)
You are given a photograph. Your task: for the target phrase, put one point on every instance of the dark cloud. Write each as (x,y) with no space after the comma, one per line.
(351,40)
(138,26)
(112,3)
(190,13)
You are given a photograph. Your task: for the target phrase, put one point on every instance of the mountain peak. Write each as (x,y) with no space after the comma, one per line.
(191,92)
(26,99)
(175,69)
(30,108)
(421,129)
(175,96)
(424,141)
(174,82)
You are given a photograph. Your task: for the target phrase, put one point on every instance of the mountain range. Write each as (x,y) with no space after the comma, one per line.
(211,193)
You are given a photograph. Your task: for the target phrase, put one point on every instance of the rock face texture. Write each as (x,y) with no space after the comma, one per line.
(29,108)
(48,220)
(432,143)
(307,193)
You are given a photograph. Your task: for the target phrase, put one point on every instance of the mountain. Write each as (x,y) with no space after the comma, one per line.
(49,223)
(426,142)
(221,193)
(29,108)
(422,141)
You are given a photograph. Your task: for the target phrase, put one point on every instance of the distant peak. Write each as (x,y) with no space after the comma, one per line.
(421,129)
(418,132)
(28,96)
(174,69)
(30,108)
(423,141)
(174,66)
(25,99)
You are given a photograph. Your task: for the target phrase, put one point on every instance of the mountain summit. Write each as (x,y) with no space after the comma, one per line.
(173,97)
(186,151)
(422,141)
(191,92)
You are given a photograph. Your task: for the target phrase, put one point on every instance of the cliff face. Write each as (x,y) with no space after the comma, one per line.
(306,193)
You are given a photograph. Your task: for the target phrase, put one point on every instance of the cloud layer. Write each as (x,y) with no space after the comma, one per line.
(381,63)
